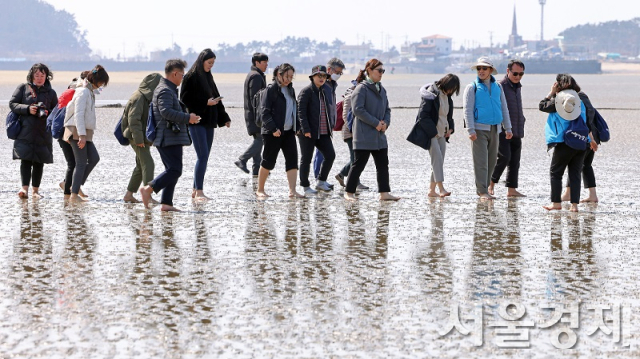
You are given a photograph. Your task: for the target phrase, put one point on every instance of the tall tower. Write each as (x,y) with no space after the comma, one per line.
(542,2)
(514,39)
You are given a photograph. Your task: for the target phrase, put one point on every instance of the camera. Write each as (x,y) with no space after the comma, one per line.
(174,127)
(42,110)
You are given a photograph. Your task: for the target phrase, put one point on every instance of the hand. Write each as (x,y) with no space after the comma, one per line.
(554,89)
(473,137)
(82,142)
(509,135)
(307,134)
(212,102)
(384,126)
(33,109)
(193,118)
(448,133)
(228,124)
(141,145)
(277,133)
(594,145)
(380,126)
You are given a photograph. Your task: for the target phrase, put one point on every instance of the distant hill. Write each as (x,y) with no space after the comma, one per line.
(35,30)
(622,37)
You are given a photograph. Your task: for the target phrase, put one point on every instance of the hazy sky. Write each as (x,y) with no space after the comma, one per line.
(139,26)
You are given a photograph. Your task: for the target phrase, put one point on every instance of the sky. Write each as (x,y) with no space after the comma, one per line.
(135,27)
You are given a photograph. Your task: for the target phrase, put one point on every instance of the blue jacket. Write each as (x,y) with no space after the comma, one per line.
(556,126)
(488,106)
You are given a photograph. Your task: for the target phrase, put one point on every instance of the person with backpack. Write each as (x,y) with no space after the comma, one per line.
(201,96)
(32,102)
(372,116)
(279,118)
(347,136)
(486,115)
(170,134)
(565,110)
(255,81)
(134,124)
(80,124)
(315,130)
(57,129)
(588,175)
(436,115)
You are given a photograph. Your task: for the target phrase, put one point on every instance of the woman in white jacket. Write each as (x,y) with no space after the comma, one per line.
(80,123)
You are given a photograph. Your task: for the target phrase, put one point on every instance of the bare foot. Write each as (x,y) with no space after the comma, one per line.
(574,207)
(82,194)
(445,194)
(74,197)
(486,197)
(193,193)
(295,194)
(386,196)
(261,194)
(36,195)
(553,207)
(23,194)
(168,208)
(200,196)
(350,196)
(145,193)
(61,184)
(590,199)
(490,188)
(514,193)
(433,194)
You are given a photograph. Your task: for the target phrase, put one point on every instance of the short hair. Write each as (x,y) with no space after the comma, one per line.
(98,75)
(281,69)
(174,64)
(259,57)
(566,81)
(449,82)
(515,62)
(42,68)
(335,62)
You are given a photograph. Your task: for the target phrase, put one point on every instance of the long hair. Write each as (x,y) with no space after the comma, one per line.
(282,69)
(42,68)
(566,81)
(197,69)
(371,64)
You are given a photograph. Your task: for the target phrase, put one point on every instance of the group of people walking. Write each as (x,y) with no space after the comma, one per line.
(186,108)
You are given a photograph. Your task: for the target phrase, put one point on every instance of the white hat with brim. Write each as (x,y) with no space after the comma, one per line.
(485,61)
(568,104)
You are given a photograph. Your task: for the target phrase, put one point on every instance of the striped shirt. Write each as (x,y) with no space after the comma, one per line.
(324,122)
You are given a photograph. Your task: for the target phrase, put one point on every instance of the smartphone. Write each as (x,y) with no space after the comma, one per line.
(218,98)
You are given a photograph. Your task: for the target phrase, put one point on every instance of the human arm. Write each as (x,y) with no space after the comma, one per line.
(15,103)
(266,110)
(506,117)
(468,108)
(358,98)
(165,101)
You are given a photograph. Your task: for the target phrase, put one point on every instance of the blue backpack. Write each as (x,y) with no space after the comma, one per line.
(151,125)
(118,133)
(55,122)
(350,120)
(13,125)
(577,134)
(602,128)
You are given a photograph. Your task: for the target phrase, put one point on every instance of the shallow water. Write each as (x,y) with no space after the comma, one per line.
(318,278)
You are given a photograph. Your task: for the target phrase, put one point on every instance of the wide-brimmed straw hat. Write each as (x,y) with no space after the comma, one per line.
(568,104)
(485,61)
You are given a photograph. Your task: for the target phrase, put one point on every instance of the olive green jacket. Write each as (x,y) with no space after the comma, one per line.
(136,111)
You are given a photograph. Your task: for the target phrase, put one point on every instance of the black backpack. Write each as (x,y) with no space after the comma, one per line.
(256,101)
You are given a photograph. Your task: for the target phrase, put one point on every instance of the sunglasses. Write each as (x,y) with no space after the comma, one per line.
(379,70)
(518,74)
(483,68)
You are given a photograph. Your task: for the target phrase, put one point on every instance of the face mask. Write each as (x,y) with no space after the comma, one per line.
(98,90)
(335,77)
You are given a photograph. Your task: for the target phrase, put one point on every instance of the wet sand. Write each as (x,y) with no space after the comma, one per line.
(318,277)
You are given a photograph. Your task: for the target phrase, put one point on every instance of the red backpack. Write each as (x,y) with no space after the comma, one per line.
(339,120)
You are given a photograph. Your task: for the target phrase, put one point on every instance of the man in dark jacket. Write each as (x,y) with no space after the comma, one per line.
(171,134)
(509,149)
(255,81)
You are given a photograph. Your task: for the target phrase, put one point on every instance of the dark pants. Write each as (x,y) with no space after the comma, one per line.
(381,161)
(324,146)
(508,156)
(166,181)
(272,146)
(588,176)
(86,160)
(202,138)
(30,170)
(67,151)
(255,152)
(566,157)
(345,170)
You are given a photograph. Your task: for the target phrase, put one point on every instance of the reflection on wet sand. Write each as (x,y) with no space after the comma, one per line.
(432,257)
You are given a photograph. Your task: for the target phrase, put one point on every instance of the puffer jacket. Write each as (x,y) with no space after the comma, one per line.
(136,111)
(309,110)
(429,111)
(370,106)
(81,111)
(167,107)
(34,141)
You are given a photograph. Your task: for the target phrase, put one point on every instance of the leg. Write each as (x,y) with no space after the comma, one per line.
(326,151)
(306,153)
(575,168)
(36,178)
(588,176)
(269,157)
(67,151)
(201,146)
(92,160)
(81,157)
(561,156)
(167,180)
(480,153)
(318,160)
(256,153)
(504,158)
(492,154)
(361,157)
(290,152)
(381,160)
(345,170)
(136,177)
(514,168)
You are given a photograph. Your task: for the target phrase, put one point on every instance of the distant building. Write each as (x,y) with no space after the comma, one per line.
(354,54)
(515,40)
(433,46)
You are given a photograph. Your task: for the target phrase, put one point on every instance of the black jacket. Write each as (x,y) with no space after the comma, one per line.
(34,141)
(309,110)
(255,81)
(513,94)
(273,109)
(195,92)
(428,113)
